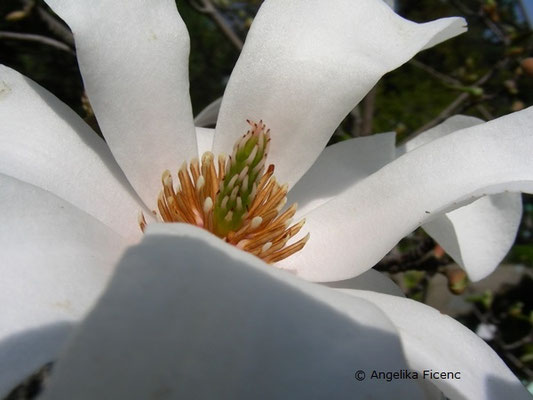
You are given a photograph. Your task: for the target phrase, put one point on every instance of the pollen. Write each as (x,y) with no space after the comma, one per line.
(237,198)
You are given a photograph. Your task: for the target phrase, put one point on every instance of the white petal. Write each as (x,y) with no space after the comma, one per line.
(45,143)
(56,260)
(369,280)
(184,306)
(208,116)
(479,235)
(307,63)
(357,228)
(391,3)
(452,124)
(433,341)
(133,57)
(204,138)
(339,167)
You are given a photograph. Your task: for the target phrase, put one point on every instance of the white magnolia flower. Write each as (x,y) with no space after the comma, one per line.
(71,210)
(175,325)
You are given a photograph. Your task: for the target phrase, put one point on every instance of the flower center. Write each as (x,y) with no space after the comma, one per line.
(234,198)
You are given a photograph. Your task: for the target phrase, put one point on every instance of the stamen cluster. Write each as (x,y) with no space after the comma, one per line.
(234,198)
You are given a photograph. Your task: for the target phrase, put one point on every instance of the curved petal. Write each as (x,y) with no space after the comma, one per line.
(433,341)
(204,138)
(339,167)
(56,260)
(307,63)
(369,280)
(391,3)
(360,226)
(133,57)
(211,310)
(452,124)
(45,143)
(478,235)
(208,116)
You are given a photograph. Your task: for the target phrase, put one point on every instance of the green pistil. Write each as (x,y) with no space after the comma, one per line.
(243,171)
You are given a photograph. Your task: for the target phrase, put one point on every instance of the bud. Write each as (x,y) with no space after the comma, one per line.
(438,252)
(16,15)
(510,85)
(457,280)
(527,66)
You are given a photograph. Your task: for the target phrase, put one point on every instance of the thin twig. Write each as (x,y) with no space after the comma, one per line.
(462,8)
(369,104)
(459,101)
(436,74)
(421,258)
(28,37)
(505,348)
(55,26)
(511,357)
(484,112)
(208,8)
(447,112)
(496,30)
(356,118)
(519,343)
(486,20)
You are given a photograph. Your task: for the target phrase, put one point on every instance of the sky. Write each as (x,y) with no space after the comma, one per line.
(529,6)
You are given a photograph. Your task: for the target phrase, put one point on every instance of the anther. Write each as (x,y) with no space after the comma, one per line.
(208,204)
(258,167)
(266,246)
(252,155)
(200,182)
(243,174)
(233,195)
(235,198)
(229,216)
(232,181)
(224,203)
(256,221)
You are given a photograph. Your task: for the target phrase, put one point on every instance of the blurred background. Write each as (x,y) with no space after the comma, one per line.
(484,73)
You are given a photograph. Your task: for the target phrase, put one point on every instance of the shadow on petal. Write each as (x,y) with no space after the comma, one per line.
(24,353)
(339,167)
(369,280)
(211,321)
(498,388)
(97,145)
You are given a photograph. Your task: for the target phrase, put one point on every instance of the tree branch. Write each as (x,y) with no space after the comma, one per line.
(208,8)
(434,73)
(55,26)
(421,258)
(369,103)
(446,113)
(28,37)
